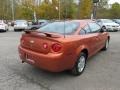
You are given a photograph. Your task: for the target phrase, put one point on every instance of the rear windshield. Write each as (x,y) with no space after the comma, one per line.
(20,21)
(118,20)
(60,27)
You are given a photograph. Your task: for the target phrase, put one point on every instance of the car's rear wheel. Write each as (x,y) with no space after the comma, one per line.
(106,45)
(15,30)
(80,65)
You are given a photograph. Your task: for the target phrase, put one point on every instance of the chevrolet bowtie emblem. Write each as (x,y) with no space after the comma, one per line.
(31,41)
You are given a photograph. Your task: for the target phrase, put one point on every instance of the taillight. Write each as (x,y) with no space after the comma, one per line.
(45,45)
(56,47)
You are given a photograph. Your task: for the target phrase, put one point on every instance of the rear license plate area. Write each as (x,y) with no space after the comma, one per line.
(29,58)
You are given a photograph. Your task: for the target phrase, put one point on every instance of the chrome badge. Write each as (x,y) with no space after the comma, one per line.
(32,41)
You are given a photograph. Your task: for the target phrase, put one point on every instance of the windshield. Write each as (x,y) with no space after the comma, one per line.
(118,20)
(59,27)
(107,21)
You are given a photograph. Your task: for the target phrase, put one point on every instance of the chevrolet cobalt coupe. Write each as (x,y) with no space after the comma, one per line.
(61,46)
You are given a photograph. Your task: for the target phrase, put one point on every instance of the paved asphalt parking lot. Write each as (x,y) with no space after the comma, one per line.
(102,71)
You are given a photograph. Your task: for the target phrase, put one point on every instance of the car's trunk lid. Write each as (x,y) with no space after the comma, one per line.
(38,41)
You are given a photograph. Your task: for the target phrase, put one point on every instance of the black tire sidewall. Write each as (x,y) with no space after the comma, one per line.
(75,70)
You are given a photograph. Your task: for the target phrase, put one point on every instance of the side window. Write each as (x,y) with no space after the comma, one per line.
(99,22)
(94,27)
(82,32)
(87,29)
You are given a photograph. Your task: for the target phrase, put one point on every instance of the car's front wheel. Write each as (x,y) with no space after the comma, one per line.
(80,64)
(34,28)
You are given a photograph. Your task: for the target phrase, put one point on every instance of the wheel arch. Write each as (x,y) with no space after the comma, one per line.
(85,51)
(108,38)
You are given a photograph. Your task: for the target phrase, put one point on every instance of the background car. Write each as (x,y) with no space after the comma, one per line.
(117,21)
(38,24)
(3,26)
(61,46)
(108,24)
(20,25)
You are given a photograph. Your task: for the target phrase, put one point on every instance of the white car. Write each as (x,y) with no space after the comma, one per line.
(117,21)
(20,25)
(108,24)
(3,26)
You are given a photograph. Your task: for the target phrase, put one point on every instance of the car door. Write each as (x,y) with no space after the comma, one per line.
(95,30)
(90,39)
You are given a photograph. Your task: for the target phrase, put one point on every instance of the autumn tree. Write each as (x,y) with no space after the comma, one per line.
(85,9)
(44,10)
(5,9)
(68,9)
(26,9)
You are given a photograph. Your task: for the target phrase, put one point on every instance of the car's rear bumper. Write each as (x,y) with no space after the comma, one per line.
(3,30)
(50,62)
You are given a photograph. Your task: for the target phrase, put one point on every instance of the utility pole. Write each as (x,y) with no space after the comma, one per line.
(59,9)
(13,16)
(95,2)
(79,9)
(94,10)
(34,14)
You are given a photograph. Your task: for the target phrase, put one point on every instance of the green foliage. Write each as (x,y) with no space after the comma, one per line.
(47,9)
(67,9)
(23,12)
(5,9)
(95,1)
(103,13)
(115,11)
(112,13)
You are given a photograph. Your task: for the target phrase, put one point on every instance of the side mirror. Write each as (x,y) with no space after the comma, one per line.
(103,29)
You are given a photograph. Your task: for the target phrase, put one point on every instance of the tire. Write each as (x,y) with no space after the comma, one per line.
(106,45)
(17,30)
(115,30)
(80,65)
(34,28)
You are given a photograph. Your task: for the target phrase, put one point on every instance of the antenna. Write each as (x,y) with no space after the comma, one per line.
(65,16)
(64,27)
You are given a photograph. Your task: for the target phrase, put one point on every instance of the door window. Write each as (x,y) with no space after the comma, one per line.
(87,29)
(94,27)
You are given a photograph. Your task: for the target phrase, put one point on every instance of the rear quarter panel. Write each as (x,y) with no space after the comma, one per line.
(72,46)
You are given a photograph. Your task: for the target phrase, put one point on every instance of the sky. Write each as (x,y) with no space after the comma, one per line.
(113,1)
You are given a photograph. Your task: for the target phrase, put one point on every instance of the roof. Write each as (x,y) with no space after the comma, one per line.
(84,22)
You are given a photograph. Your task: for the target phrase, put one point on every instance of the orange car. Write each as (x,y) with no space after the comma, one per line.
(63,46)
